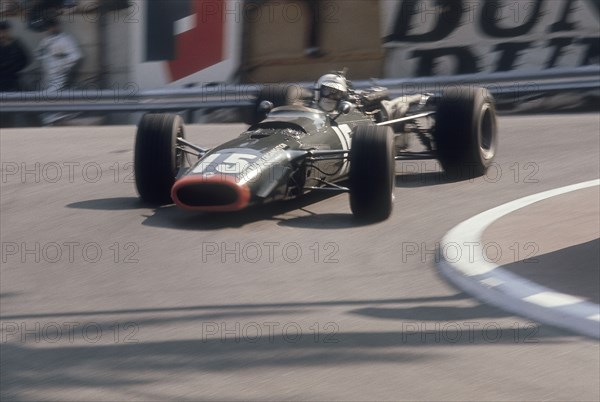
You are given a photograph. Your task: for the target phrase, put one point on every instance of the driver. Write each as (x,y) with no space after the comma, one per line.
(330,90)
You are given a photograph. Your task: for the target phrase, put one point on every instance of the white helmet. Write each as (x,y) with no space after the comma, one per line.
(330,90)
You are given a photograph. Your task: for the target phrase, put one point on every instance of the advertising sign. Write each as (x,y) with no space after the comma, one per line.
(439,37)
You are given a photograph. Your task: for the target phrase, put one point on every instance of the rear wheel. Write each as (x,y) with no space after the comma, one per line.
(466,131)
(157,159)
(372,172)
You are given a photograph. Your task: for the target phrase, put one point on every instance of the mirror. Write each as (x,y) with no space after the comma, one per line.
(346,107)
(265,106)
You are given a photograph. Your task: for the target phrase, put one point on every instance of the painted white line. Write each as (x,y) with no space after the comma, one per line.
(185,24)
(489,282)
(492,282)
(553,299)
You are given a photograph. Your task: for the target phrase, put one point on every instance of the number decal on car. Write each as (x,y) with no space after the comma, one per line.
(228,163)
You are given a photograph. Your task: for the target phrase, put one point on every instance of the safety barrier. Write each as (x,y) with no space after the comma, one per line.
(507,87)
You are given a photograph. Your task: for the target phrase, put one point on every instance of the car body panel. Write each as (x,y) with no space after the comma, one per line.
(269,159)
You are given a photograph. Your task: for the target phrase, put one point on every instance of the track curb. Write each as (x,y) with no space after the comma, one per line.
(493,284)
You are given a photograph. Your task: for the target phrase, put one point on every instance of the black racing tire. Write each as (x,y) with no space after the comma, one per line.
(157,160)
(372,173)
(466,131)
(279,95)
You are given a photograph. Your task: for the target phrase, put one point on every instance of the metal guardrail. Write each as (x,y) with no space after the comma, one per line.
(503,77)
(505,86)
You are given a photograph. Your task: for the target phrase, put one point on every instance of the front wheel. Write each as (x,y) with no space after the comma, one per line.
(157,160)
(372,173)
(466,131)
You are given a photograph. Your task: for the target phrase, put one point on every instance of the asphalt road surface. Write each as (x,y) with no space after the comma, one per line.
(103,298)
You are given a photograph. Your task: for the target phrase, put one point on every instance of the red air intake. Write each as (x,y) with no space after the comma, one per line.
(216,193)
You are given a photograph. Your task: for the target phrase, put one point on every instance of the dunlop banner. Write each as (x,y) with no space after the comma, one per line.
(440,37)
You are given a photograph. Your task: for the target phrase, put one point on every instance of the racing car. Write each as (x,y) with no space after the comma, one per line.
(336,138)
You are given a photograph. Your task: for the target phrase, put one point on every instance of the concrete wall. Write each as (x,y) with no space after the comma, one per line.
(276,39)
(117,39)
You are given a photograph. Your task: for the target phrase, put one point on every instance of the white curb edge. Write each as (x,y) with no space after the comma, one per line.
(497,286)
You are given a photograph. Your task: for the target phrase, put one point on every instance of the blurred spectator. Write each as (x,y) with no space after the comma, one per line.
(59,57)
(13,58)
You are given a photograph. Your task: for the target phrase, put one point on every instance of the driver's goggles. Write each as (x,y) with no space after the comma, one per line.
(331,93)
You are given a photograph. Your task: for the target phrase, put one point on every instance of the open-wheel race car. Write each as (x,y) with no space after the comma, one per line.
(337,139)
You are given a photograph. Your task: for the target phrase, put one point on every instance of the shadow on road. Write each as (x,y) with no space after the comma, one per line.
(324,221)
(433,313)
(170,216)
(428,179)
(82,363)
(110,204)
(335,303)
(573,270)
(88,365)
